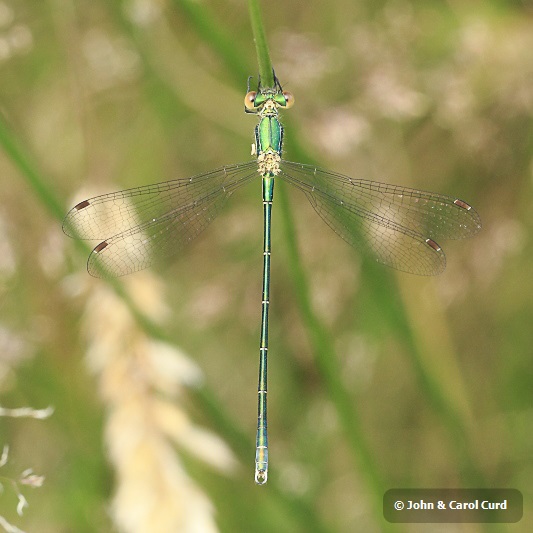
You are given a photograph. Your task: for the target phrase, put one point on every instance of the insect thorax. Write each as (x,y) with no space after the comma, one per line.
(268,163)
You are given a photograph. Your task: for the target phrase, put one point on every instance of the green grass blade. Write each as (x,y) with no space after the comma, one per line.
(261,46)
(24,162)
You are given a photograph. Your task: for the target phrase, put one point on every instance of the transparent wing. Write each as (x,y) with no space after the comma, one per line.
(396,225)
(142,225)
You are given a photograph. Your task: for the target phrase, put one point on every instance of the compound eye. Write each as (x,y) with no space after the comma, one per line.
(249,100)
(289,98)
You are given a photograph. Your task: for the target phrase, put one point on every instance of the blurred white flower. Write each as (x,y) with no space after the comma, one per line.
(110,60)
(14,39)
(143,12)
(141,380)
(392,98)
(339,131)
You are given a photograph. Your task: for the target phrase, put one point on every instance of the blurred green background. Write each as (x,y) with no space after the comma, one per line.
(429,381)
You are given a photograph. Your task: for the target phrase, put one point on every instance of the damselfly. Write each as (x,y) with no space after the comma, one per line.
(397,226)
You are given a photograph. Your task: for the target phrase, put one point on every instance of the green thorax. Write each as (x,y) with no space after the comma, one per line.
(269,139)
(269,135)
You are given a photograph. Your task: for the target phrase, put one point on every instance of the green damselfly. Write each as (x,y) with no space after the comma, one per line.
(395,225)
